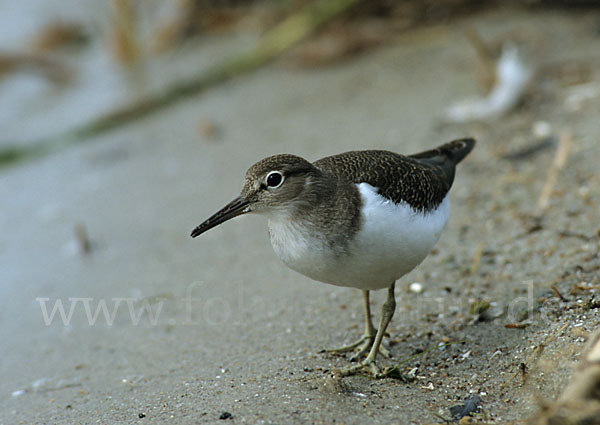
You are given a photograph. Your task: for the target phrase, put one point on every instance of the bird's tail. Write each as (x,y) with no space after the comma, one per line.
(455,151)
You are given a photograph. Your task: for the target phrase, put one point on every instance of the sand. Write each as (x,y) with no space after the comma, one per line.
(216,329)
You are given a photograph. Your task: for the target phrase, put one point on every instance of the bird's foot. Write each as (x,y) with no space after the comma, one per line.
(366,367)
(361,347)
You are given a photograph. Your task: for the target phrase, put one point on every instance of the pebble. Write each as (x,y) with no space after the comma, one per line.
(416,287)
(225,415)
(579,332)
(541,129)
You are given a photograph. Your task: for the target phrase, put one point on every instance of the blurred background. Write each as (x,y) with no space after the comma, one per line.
(125,123)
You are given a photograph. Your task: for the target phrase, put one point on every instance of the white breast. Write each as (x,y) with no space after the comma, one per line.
(393,239)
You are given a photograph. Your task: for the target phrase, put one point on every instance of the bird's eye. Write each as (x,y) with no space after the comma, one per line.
(274,179)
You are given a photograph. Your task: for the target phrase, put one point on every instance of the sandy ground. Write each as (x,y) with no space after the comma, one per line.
(218,324)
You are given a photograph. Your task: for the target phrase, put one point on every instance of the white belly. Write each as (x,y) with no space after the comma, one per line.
(393,240)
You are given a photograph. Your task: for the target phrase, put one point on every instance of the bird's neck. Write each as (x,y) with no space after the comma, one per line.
(328,210)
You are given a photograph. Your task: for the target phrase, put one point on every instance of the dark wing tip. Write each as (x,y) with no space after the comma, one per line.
(458,149)
(465,143)
(455,150)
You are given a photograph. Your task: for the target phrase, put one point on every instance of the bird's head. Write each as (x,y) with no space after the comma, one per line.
(277,184)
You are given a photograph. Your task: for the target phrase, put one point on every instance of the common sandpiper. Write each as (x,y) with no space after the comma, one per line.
(360,219)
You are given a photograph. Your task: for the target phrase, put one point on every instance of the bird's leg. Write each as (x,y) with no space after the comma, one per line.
(369,364)
(364,344)
(369,335)
(369,329)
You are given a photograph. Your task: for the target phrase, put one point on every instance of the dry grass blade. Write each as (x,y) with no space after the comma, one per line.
(560,159)
(557,293)
(52,69)
(580,402)
(477,258)
(283,36)
(487,56)
(125,41)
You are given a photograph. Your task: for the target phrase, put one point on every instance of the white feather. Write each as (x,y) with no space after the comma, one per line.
(393,239)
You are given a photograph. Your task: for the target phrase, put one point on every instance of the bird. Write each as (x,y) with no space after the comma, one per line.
(360,219)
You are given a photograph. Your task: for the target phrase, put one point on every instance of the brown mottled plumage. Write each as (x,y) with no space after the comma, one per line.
(420,180)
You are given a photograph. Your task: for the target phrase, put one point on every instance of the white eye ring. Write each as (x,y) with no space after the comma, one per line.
(274,179)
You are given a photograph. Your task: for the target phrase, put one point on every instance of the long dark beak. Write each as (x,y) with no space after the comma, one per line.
(229,211)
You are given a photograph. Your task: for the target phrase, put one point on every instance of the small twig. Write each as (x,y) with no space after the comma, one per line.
(578,287)
(52,69)
(529,151)
(582,236)
(557,292)
(517,325)
(524,369)
(83,239)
